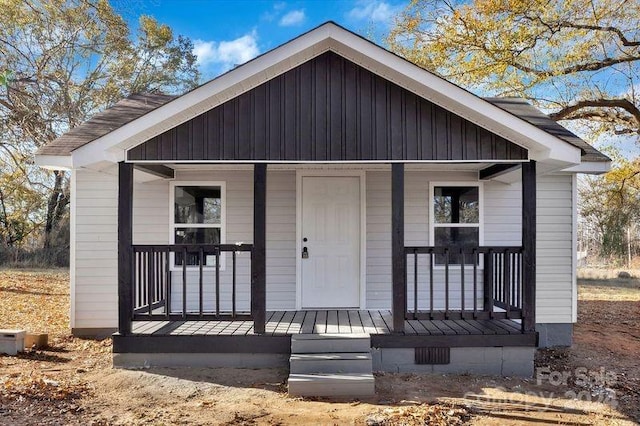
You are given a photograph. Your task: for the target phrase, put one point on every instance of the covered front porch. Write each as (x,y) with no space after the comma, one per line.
(441,295)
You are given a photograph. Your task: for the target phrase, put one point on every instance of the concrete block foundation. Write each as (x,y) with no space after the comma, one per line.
(499,361)
(202,360)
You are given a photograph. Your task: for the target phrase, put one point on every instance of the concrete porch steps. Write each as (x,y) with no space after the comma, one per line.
(331,365)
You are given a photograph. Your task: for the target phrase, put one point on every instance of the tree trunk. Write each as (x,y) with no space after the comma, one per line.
(58,201)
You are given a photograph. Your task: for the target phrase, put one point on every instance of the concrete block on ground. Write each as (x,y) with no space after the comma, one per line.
(11,341)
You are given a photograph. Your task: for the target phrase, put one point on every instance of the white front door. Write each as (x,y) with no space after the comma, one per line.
(331,242)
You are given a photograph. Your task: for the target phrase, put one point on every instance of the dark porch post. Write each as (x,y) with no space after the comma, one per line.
(529,246)
(399,278)
(125,240)
(258,257)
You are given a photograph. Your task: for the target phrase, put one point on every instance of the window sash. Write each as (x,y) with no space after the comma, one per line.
(176,258)
(433,224)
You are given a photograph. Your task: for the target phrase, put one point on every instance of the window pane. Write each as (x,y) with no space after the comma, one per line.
(197,204)
(197,236)
(456,204)
(455,238)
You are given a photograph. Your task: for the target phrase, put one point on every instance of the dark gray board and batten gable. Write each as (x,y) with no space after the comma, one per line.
(327,109)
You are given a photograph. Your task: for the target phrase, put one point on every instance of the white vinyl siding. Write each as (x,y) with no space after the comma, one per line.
(95,298)
(554,291)
(281,240)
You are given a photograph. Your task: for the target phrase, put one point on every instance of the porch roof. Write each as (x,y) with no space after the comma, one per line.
(113,132)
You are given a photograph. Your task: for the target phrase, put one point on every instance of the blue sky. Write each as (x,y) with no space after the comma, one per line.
(226,33)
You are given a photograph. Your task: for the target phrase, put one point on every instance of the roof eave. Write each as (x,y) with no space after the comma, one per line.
(54,162)
(590,167)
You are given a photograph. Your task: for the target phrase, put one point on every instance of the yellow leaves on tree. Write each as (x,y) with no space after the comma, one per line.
(579,59)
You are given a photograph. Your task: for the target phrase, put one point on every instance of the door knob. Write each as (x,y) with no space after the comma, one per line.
(305,253)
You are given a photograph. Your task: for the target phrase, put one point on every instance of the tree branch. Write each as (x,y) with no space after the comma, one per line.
(569,111)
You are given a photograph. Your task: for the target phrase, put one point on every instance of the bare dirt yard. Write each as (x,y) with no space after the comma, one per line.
(597,381)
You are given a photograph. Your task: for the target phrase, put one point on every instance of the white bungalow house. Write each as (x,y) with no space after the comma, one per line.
(327,186)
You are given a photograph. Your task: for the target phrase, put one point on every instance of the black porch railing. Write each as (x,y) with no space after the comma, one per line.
(184,282)
(464,283)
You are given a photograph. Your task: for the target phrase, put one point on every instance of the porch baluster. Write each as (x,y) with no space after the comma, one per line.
(150,282)
(184,282)
(167,285)
(476,257)
(233,285)
(431,259)
(200,262)
(415,284)
(507,283)
(217,252)
(462,277)
(446,282)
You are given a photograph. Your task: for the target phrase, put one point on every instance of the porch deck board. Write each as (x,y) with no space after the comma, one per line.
(332,322)
(282,323)
(356,322)
(320,326)
(367,322)
(344,325)
(308,325)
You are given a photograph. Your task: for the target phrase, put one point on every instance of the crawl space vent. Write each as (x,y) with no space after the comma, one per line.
(433,355)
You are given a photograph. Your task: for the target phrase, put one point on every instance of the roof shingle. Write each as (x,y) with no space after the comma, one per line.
(123,112)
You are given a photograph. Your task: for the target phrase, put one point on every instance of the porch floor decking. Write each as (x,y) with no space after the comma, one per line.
(283,323)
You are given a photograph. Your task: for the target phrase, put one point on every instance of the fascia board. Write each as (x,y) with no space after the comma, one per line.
(54,162)
(590,167)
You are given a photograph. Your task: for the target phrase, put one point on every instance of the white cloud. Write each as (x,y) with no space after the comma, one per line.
(373,11)
(295,17)
(227,53)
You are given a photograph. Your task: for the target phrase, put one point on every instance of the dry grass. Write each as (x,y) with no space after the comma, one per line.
(604,285)
(36,301)
(606,274)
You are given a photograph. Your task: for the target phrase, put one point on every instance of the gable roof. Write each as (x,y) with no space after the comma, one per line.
(168,113)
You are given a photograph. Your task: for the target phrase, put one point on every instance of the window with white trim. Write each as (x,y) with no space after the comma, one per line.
(456,218)
(197,218)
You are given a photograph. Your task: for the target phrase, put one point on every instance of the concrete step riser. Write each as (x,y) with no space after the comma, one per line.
(332,390)
(330,345)
(330,366)
(308,385)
